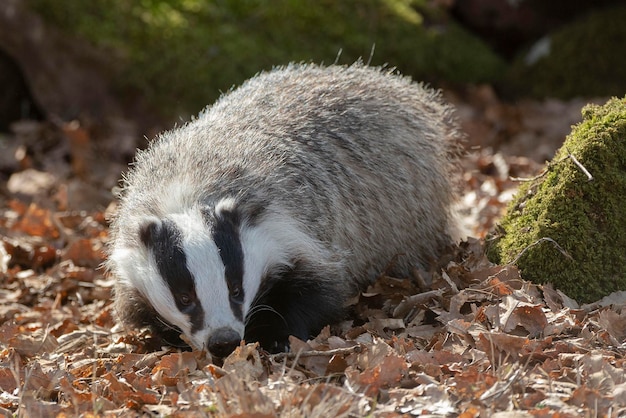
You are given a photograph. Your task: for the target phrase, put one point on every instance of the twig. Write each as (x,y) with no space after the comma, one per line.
(315,353)
(500,387)
(410,302)
(526,179)
(569,156)
(582,168)
(539,241)
(540,175)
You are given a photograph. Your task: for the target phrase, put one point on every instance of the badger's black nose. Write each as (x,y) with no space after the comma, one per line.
(222,342)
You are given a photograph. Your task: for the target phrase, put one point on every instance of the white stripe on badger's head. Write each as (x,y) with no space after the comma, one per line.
(205,265)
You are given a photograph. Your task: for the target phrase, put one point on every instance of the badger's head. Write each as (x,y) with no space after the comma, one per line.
(198,272)
(220,273)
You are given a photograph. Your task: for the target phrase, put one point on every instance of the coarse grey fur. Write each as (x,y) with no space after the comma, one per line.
(359,161)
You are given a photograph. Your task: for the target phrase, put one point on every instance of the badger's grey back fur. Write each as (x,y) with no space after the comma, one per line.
(344,168)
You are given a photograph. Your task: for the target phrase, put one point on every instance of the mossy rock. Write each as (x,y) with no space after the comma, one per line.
(180,54)
(586,218)
(585,58)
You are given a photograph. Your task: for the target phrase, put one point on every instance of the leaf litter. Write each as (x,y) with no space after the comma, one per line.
(469,339)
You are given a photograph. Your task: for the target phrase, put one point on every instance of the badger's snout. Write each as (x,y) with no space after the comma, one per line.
(222,342)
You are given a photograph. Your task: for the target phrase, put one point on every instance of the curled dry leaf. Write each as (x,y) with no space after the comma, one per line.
(173,367)
(376,368)
(512,314)
(246,362)
(614,323)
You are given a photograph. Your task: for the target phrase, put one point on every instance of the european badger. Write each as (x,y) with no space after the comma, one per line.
(258,219)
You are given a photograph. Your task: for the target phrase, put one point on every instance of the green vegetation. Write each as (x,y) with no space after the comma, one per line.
(586,218)
(180,54)
(586,59)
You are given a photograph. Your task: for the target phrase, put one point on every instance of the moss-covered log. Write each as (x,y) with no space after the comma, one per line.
(585,217)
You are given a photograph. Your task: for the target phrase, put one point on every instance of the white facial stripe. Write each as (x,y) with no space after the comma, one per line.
(204,263)
(261,252)
(276,241)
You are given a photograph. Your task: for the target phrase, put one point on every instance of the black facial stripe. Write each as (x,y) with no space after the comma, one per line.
(164,239)
(227,240)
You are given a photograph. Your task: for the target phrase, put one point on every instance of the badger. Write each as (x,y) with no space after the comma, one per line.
(261,217)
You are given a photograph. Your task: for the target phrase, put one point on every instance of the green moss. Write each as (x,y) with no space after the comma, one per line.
(586,59)
(586,218)
(180,54)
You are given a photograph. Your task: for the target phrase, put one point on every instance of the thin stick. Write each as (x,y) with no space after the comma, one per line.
(316,353)
(539,241)
(582,168)
(569,156)
(540,175)
(525,179)
(407,304)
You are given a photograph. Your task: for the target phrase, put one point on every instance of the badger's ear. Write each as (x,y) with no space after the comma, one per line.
(148,230)
(226,207)
(249,211)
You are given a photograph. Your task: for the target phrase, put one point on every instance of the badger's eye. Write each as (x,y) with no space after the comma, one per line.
(185,299)
(236,294)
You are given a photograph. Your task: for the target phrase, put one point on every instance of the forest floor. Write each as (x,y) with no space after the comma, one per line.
(477,341)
